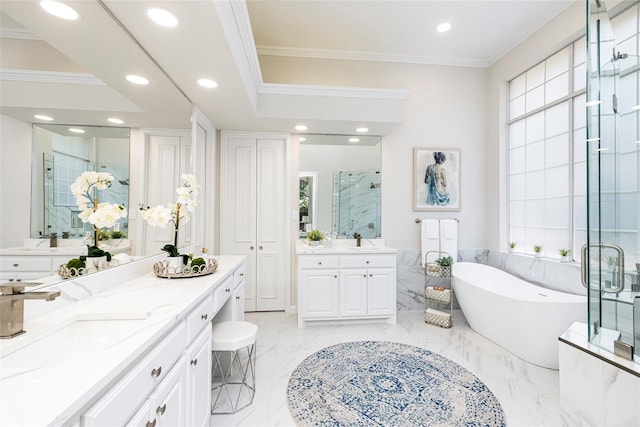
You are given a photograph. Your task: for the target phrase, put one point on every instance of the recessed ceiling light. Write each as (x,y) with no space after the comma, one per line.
(592,103)
(43,117)
(301,127)
(139,80)
(208,83)
(162,17)
(76,130)
(60,10)
(115,120)
(354,140)
(444,27)
(362,130)
(302,139)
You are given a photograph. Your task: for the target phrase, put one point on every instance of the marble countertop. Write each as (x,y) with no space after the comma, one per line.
(72,354)
(345,246)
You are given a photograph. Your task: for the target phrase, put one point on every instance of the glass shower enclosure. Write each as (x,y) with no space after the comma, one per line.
(611,257)
(356,203)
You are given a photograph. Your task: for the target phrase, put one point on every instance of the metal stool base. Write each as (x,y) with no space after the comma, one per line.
(230,380)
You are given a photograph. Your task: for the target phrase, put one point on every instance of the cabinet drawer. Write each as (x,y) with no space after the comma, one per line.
(222,293)
(31,263)
(119,404)
(367,261)
(238,275)
(199,318)
(318,261)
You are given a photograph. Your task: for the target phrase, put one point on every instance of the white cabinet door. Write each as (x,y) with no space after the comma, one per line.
(254,215)
(381,291)
(166,405)
(199,380)
(318,293)
(353,292)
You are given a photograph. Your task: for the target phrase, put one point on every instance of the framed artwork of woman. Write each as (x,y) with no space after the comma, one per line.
(436,179)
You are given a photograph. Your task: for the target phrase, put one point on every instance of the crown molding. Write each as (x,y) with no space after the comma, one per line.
(36,76)
(367,56)
(332,91)
(18,33)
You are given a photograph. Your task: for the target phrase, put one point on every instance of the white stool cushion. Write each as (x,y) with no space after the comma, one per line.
(233,335)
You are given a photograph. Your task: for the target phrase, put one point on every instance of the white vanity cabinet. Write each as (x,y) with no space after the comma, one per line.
(29,267)
(342,287)
(198,366)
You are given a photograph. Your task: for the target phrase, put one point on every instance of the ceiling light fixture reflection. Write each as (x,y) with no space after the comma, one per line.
(592,103)
(301,128)
(43,117)
(362,130)
(354,140)
(162,17)
(115,120)
(444,27)
(602,149)
(60,10)
(593,139)
(208,83)
(139,80)
(302,139)
(636,107)
(76,130)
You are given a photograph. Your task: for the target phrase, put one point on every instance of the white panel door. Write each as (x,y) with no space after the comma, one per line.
(353,292)
(163,177)
(271,223)
(381,291)
(254,216)
(239,207)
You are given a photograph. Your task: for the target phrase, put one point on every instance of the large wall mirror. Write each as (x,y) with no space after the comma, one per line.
(340,184)
(75,73)
(60,154)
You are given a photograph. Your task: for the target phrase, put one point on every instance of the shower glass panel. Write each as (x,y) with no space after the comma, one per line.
(356,203)
(611,258)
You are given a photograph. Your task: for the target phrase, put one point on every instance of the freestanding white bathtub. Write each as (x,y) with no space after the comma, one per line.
(517,315)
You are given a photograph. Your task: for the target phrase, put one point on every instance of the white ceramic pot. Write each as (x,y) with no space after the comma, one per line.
(175,264)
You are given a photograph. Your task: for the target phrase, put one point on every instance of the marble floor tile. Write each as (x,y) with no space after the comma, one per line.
(529,394)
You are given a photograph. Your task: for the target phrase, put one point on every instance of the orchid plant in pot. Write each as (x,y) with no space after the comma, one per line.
(101,215)
(174,213)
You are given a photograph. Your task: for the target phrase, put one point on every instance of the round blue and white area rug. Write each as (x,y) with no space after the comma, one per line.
(377,383)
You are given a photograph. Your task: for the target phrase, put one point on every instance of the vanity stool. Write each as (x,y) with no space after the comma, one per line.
(233,375)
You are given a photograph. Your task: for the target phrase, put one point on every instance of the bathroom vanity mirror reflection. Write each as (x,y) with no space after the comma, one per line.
(60,154)
(347,176)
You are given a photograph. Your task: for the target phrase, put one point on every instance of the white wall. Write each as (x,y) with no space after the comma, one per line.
(15,181)
(445,110)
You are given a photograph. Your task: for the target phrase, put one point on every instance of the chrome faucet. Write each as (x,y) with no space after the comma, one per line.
(12,307)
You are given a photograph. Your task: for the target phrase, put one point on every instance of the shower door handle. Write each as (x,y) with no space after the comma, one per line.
(583,266)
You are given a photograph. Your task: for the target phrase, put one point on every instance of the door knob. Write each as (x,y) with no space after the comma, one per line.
(260,247)
(250,248)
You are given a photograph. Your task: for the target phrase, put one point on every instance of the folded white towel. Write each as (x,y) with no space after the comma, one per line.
(449,237)
(429,240)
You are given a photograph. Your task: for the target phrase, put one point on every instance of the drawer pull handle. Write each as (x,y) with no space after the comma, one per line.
(155,372)
(335,276)
(319,262)
(241,274)
(367,262)
(151,423)
(227,290)
(204,316)
(370,275)
(250,248)
(161,409)
(194,362)
(238,297)
(15,265)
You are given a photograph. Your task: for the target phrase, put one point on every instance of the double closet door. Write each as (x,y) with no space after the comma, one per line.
(254,214)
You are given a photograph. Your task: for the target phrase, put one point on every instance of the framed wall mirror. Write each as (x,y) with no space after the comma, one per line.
(346,172)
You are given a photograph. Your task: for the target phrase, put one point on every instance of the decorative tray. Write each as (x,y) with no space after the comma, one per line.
(162,269)
(67,273)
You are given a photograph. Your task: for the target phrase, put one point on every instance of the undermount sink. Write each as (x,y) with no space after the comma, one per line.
(362,248)
(74,339)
